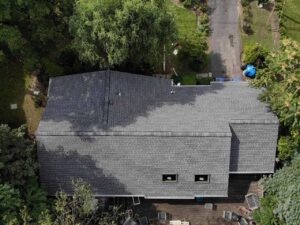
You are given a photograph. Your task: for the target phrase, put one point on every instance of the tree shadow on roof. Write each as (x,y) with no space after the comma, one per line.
(102,101)
(59,167)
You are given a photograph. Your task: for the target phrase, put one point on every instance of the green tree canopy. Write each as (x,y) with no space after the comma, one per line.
(281,80)
(109,33)
(10,204)
(281,206)
(19,189)
(17,163)
(30,29)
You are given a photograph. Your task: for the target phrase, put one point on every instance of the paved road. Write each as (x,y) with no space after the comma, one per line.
(225,41)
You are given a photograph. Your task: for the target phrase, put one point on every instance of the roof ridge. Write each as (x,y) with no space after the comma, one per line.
(137,133)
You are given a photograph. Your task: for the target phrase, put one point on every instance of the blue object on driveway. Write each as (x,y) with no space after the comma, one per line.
(250,71)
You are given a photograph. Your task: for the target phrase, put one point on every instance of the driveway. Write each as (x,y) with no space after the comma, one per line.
(225,43)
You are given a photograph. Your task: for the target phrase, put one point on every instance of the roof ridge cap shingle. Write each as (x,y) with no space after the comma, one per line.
(136,133)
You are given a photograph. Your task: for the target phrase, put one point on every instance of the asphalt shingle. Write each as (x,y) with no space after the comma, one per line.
(121,132)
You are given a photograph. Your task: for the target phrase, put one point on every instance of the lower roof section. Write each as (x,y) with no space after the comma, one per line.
(134,165)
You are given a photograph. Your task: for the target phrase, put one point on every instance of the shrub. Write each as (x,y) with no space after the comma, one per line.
(203,25)
(246,2)
(281,205)
(247,28)
(188,79)
(254,54)
(264,2)
(286,148)
(51,68)
(193,52)
(204,80)
(190,3)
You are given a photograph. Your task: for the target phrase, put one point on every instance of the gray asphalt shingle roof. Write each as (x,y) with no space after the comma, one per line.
(91,103)
(121,132)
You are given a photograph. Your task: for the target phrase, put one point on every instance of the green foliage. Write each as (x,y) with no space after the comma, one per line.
(16,156)
(45,218)
(193,52)
(247,18)
(35,198)
(191,3)
(286,148)
(188,79)
(281,80)
(203,25)
(264,215)
(254,54)
(282,203)
(10,204)
(204,80)
(52,68)
(76,209)
(110,33)
(80,208)
(246,2)
(18,167)
(31,30)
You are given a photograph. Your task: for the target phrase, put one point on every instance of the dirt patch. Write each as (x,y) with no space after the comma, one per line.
(33,114)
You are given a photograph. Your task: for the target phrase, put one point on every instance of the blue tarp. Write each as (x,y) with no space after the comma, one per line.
(250,71)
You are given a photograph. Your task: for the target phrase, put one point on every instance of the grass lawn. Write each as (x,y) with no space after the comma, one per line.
(185,20)
(261,27)
(13,85)
(186,24)
(292,19)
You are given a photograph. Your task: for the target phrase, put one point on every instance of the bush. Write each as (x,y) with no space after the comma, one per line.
(203,26)
(190,3)
(247,28)
(193,52)
(204,80)
(264,2)
(286,148)
(254,54)
(246,2)
(281,205)
(188,79)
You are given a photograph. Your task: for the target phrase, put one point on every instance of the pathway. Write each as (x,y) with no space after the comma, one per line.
(225,43)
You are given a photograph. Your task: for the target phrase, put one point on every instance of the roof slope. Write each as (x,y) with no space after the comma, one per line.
(123,165)
(110,102)
(120,132)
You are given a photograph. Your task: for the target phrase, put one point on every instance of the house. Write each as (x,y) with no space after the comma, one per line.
(134,135)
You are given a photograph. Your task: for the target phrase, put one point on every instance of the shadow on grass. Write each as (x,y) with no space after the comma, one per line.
(12,91)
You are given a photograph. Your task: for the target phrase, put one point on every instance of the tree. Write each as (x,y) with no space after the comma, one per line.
(77,209)
(10,204)
(17,164)
(31,29)
(110,33)
(281,205)
(254,54)
(18,176)
(80,208)
(281,80)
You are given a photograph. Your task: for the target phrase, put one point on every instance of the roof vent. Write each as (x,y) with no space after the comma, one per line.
(172,92)
(119,93)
